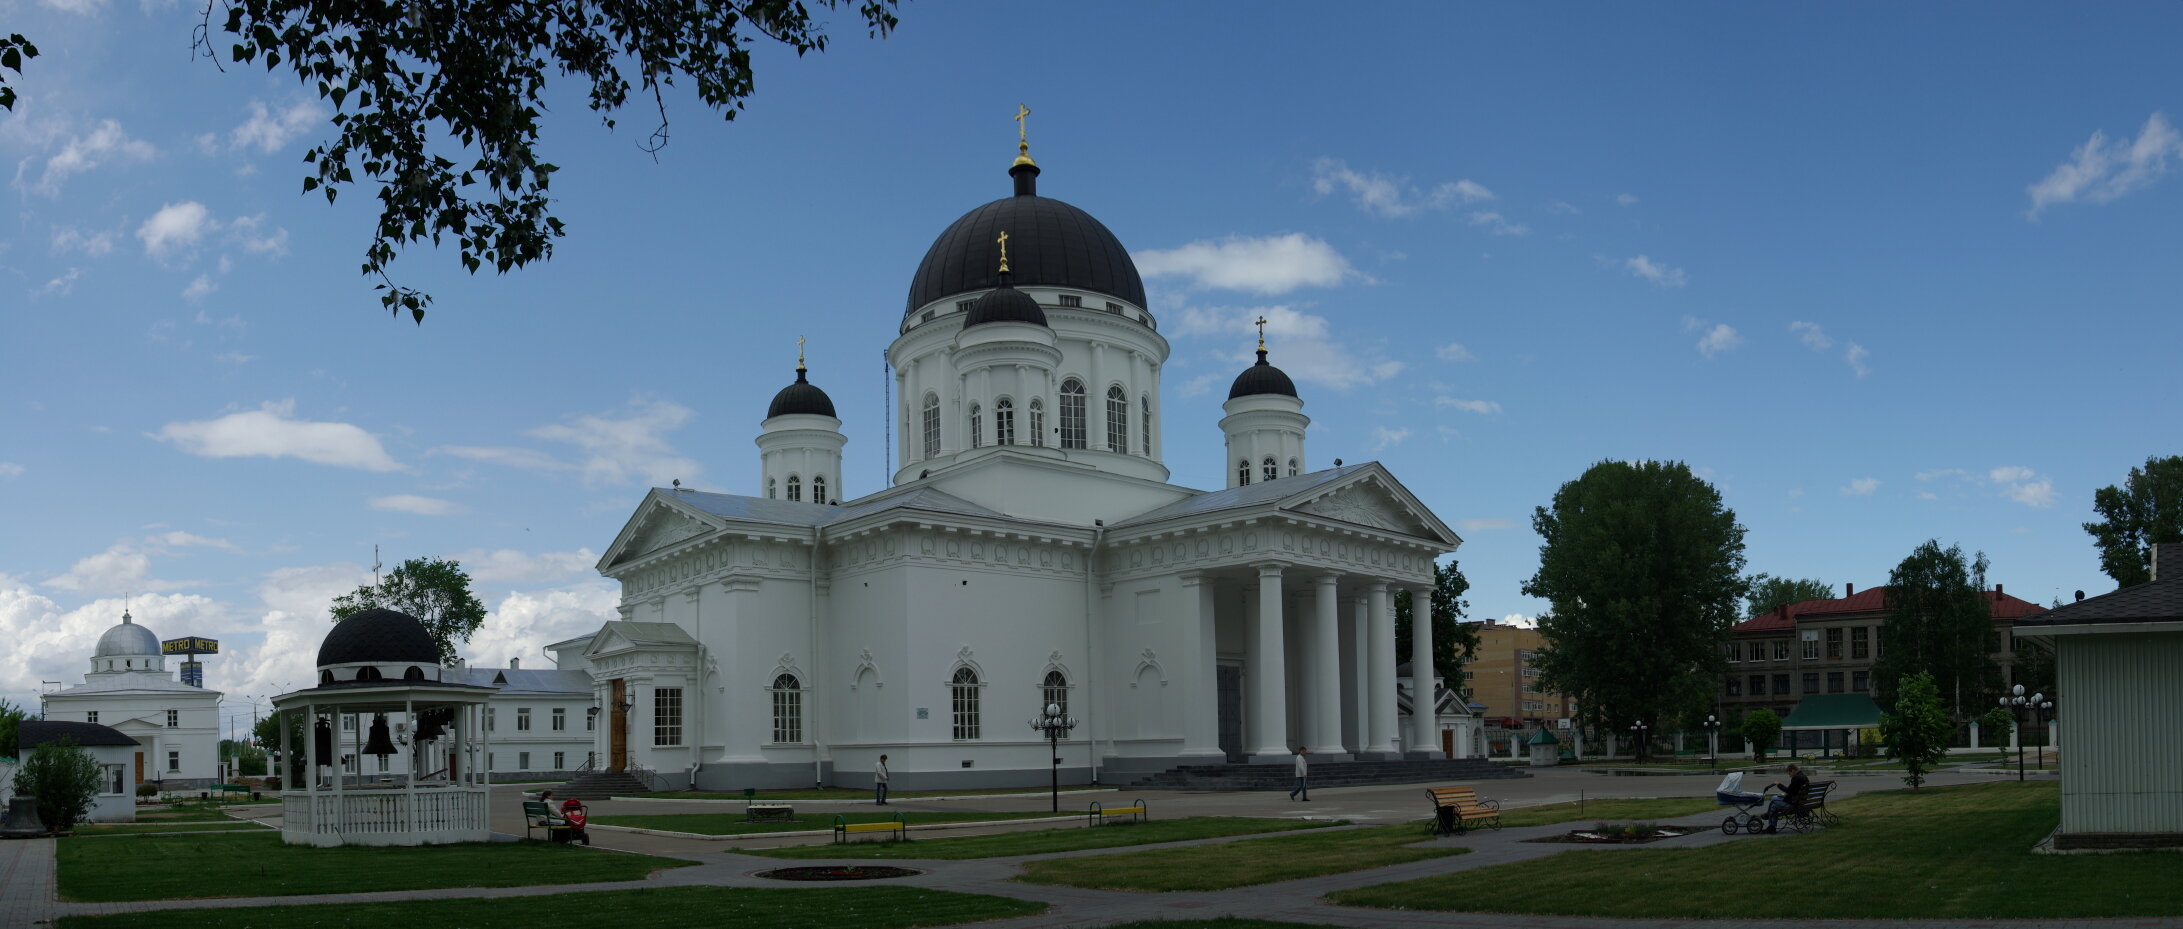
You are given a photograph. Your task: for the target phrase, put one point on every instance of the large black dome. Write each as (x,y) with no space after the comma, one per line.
(801,397)
(1262,378)
(378,636)
(1050,244)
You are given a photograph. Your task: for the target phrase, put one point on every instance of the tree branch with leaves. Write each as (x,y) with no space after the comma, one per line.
(434,591)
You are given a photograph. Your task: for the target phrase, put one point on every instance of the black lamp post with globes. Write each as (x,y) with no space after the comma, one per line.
(1056,726)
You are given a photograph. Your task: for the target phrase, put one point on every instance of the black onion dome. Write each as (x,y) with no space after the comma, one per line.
(1262,378)
(801,397)
(378,636)
(1005,304)
(1050,244)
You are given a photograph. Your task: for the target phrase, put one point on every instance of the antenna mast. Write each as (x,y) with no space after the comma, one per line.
(375,565)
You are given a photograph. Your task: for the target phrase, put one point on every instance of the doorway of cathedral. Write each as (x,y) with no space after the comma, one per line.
(140,767)
(1447,743)
(618,727)
(1231,712)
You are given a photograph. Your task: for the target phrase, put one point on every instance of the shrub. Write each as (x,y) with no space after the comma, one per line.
(64,779)
(147,791)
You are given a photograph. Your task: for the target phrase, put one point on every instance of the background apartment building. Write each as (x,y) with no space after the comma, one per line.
(1501,678)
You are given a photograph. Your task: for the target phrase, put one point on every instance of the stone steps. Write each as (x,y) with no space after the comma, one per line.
(599,786)
(1281,775)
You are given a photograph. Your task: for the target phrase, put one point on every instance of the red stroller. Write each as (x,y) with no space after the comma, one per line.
(572,812)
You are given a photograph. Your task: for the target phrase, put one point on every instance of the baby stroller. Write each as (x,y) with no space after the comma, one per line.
(574,814)
(1749,806)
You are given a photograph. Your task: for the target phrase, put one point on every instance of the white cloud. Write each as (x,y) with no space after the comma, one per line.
(507,456)
(508,565)
(234,357)
(1718,339)
(1384,438)
(2100,171)
(1928,495)
(1497,224)
(272,431)
(176,229)
(1563,208)
(628,447)
(10,469)
(199,289)
(180,539)
(69,238)
(2007,474)
(47,643)
(421,506)
(1302,344)
(1811,335)
(1940,473)
(1519,619)
(269,131)
(1482,525)
(247,233)
(1855,355)
(1861,487)
(2023,485)
(1198,386)
(78,7)
(106,143)
(525,623)
(1390,195)
(1262,264)
(1656,272)
(60,286)
(1626,199)
(1487,407)
(1454,351)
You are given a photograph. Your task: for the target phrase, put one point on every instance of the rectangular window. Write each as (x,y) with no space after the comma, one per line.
(1811,644)
(488,720)
(787,711)
(1466,675)
(667,716)
(1071,300)
(174,761)
(1735,687)
(1758,685)
(1781,684)
(1114,308)
(1734,654)
(174,719)
(964,694)
(492,761)
(522,761)
(591,721)
(1834,644)
(1758,651)
(560,720)
(382,764)
(1834,682)
(1860,644)
(560,761)
(1781,649)
(1811,682)
(348,764)
(1861,681)
(91,717)
(114,775)
(961,306)
(522,719)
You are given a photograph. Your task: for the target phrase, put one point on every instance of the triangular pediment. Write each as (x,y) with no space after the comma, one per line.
(1375,501)
(658,524)
(606,641)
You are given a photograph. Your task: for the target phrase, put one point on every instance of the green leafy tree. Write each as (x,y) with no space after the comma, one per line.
(1995,725)
(1917,730)
(435,591)
(1454,642)
(2146,510)
(14,50)
(1762,728)
(65,780)
(1643,564)
(1768,592)
(438,104)
(267,732)
(249,759)
(12,718)
(1939,624)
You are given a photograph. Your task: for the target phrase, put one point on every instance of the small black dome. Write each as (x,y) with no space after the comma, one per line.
(378,636)
(1050,243)
(1005,304)
(1262,378)
(801,397)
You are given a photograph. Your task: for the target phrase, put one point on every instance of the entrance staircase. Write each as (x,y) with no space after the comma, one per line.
(1281,775)
(599,785)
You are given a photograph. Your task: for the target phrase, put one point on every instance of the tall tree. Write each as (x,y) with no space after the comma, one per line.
(1917,729)
(1762,728)
(2147,510)
(437,592)
(12,718)
(1643,564)
(1939,624)
(1453,641)
(1768,592)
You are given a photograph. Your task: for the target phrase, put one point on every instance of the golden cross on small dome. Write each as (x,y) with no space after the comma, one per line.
(1261,333)
(1003,240)
(1023,135)
(799,353)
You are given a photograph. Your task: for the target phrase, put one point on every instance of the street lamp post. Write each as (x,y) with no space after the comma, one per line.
(2017,704)
(2042,713)
(1637,732)
(1056,726)
(1713,739)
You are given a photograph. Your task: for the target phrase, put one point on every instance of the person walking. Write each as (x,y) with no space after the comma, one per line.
(1303,776)
(879,780)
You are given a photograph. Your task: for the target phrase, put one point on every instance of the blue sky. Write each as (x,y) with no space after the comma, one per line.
(1881,274)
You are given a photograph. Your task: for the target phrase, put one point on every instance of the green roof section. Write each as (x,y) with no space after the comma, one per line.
(1834,711)
(1543,736)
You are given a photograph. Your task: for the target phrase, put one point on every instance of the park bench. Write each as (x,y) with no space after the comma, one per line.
(537,815)
(1455,809)
(1135,813)
(843,828)
(769,813)
(1812,809)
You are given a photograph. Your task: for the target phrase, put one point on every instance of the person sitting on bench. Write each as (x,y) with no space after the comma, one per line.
(1791,795)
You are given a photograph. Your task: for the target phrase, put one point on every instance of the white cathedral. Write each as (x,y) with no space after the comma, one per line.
(1032,551)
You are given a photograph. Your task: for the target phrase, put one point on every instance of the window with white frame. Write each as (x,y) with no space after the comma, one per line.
(348,722)
(91,716)
(591,721)
(174,719)
(963,691)
(1811,645)
(1117,420)
(1145,404)
(1072,414)
(773,488)
(114,778)
(560,719)
(522,761)
(932,425)
(1271,470)
(787,710)
(1071,300)
(818,488)
(522,719)
(560,761)
(1004,422)
(1295,468)
(1243,471)
(1055,691)
(174,761)
(667,716)
(795,489)
(1038,423)
(977,426)
(348,764)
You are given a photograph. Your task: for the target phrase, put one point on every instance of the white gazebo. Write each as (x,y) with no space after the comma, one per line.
(375,664)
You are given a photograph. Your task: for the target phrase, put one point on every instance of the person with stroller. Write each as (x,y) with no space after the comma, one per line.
(1791,795)
(575,816)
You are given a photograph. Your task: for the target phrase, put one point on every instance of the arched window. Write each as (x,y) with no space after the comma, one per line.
(1038,423)
(773,488)
(1145,402)
(977,430)
(1271,470)
(324,677)
(818,488)
(368,673)
(1293,469)
(1117,420)
(932,425)
(1004,423)
(963,692)
(1072,414)
(795,489)
(1054,691)
(787,709)
(413,674)
(1243,471)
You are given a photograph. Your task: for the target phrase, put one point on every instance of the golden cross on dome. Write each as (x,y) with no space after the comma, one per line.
(1023,135)
(1261,333)
(1003,240)
(799,353)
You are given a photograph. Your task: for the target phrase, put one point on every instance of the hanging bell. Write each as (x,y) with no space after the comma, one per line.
(380,742)
(322,739)
(432,724)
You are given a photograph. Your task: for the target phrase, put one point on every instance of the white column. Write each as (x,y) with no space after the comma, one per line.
(1201,715)
(1424,719)
(1382,624)
(1269,679)
(1360,673)
(1974,735)
(1323,653)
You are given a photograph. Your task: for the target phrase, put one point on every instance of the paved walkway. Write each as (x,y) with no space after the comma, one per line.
(27,894)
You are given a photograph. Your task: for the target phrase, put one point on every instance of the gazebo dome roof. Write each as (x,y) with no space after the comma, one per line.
(379,636)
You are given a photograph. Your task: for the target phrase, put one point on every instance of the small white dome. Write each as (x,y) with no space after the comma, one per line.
(127,639)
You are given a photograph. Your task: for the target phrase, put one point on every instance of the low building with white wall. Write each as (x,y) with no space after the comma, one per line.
(117,756)
(129,688)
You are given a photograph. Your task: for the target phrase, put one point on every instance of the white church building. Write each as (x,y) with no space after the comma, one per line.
(130,690)
(1032,550)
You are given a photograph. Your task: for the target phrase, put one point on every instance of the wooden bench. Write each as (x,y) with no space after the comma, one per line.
(537,815)
(1812,809)
(843,828)
(769,813)
(1455,809)
(1129,814)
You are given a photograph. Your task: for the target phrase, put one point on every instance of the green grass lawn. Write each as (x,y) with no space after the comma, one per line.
(1225,922)
(844,793)
(1239,864)
(235,865)
(1939,853)
(651,908)
(733,824)
(194,813)
(1112,835)
(1606,810)
(141,828)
